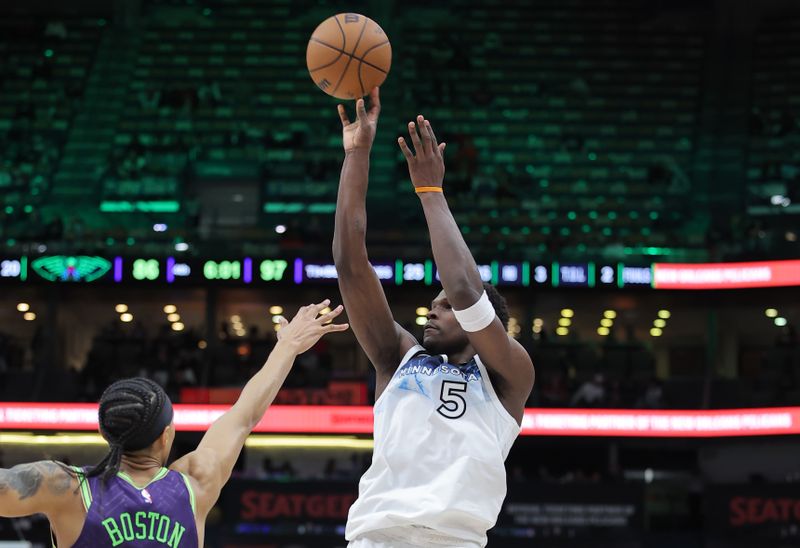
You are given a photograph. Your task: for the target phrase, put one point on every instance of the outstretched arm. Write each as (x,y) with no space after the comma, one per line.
(457,269)
(212,462)
(38,487)
(382,339)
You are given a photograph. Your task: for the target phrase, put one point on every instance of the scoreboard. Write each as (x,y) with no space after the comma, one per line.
(255,271)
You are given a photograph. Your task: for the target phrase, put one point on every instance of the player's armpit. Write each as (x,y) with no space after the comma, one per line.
(205,472)
(38,487)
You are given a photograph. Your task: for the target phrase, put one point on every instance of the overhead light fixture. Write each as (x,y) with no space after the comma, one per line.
(610,314)
(780,322)
(606,322)
(202,345)
(23,307)
(422,311)
(664,314)
(771,313)
(275,309)
(177,326)
(422,320)
(170,309)
(120,308)
(29,316)
(655,332)
(564,322)
(604,331)
(172,318)
(567,313)
(660,323)
(561,331)
(127,317)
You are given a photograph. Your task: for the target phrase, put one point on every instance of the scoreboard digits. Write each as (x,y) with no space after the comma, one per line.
(273,270)
(222,270)
(10,268)
(146,269)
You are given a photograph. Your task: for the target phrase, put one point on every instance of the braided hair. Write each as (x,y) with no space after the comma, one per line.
(132,414)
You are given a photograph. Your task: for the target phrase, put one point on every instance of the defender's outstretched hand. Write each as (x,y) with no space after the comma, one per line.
(426,167)
(307,327)
(359,135)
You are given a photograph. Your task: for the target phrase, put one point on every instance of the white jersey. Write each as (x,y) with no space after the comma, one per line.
(441,440)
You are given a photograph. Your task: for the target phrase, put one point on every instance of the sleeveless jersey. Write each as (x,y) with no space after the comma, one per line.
(122,514)
(441,440)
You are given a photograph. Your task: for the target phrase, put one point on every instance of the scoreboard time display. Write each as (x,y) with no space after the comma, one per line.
(254,271)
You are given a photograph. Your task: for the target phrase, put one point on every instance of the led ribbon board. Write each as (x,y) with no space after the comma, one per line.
(307,419)
(726,275)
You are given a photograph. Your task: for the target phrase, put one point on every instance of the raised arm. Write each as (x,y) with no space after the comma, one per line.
(382,339)
(462,284)
(212,462)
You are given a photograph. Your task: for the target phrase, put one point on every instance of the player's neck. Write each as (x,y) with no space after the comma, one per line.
(140,467)
(462,356)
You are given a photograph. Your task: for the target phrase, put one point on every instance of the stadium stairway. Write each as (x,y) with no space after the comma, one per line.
(92,132)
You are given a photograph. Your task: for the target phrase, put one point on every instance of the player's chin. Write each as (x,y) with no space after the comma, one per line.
(430,339)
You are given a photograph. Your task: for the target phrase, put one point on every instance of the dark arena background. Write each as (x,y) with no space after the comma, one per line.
(626,171)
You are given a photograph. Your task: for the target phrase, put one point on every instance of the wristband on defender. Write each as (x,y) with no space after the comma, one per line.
(421,189)
(477,316)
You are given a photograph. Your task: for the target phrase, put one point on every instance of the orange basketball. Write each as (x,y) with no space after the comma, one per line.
(348,55)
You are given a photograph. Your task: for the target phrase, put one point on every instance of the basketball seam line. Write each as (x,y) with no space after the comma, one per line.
(344,72)
(327,45)
(361,62)
(328,64)
(344,34)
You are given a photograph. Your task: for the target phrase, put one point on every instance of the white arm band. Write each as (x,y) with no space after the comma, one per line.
(477,316)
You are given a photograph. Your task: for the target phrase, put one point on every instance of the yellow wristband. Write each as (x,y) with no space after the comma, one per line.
(421,189)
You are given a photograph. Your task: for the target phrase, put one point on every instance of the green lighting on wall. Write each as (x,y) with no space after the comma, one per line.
(648,251)
(126,206)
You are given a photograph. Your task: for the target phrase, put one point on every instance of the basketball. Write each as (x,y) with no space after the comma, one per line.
(348,55)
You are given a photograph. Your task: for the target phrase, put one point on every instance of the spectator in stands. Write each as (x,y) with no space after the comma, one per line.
(554,391)
(210,94)
(591,393)
(653,397)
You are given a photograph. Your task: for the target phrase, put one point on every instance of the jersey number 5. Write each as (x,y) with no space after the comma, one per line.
(453,403)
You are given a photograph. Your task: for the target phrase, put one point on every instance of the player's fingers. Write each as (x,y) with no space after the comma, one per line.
(412,132)
(328,317)
(375,102)
(404,149)
(343,115)
(315,309)
(283,322)
(426,136)
(442,147)
(361,111)
(429,128)
(330,328)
